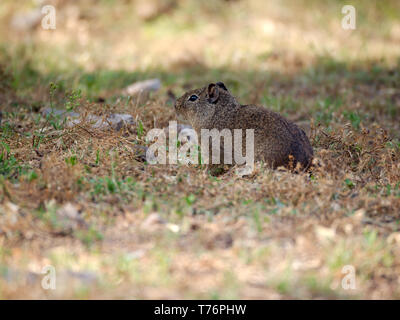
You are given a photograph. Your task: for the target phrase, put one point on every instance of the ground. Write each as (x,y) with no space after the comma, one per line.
(80,200)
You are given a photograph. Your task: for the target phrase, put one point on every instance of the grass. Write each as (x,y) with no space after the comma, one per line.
(175,231)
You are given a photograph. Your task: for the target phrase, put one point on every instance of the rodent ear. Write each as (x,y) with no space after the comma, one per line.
(212,93)
(222,85)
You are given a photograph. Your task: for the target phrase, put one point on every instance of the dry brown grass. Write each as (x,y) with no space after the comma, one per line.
(150,231)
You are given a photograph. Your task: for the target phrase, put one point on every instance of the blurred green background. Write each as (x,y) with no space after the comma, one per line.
(104,45)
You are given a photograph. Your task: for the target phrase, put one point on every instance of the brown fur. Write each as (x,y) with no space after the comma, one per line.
(278,141)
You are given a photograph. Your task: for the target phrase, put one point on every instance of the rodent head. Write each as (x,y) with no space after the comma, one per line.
(203,103)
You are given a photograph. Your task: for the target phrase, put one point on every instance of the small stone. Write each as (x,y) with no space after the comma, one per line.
(115,120)
(69,219)
(173,227)
(324,233)
(143,86)
(27,20)
(58,112)
(359,215)
(152,222)
(118,120)
(348,228)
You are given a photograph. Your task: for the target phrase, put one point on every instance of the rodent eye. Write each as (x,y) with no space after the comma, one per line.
(193,97)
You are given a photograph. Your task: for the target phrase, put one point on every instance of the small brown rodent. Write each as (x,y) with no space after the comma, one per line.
(277,141)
